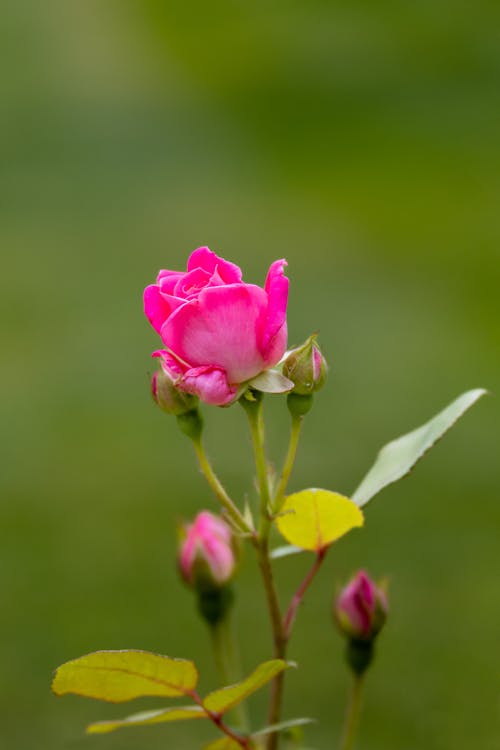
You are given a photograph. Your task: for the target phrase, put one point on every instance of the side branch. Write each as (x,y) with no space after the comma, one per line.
(297,598)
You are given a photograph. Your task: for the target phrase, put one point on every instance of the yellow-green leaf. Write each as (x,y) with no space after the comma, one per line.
(223,743)
(222,700)
(118,676)
(313,519)
(149,717)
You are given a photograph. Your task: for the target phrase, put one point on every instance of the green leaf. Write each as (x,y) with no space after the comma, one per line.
(220,701)
(312,519)
(271,381)
(288,724)
(224,743)
(183,713)
(398,457)
(285,551)
(118,676)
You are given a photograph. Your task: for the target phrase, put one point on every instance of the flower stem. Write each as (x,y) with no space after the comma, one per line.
(295,429)
(352,713)
(218,488)
(297,598)
(227,661)
(253,409)
(256,422)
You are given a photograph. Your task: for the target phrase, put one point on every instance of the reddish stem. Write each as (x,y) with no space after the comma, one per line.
(242,740)
(291,612)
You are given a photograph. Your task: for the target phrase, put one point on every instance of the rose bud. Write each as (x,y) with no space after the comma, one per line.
(361,608)
(218,332)
(306,367)
(207,562)
(360,612)
(207,556)
(168,397)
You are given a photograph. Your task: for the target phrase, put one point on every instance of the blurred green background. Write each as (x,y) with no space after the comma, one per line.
(360,140)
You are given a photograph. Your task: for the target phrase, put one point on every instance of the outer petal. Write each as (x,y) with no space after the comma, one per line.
(170,364)
(168,279)
(156,308)
(209,384)
(210,262)
(220,328)
(273,335)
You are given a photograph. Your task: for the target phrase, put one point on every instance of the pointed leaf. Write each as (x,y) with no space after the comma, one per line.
(220,701)
(285,551)
(183,713)
(398,457)
(313,519)
(289,724)
(271,381)
(118,676)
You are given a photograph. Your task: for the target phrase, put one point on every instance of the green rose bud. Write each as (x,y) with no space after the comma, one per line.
(306,367)
(170,398)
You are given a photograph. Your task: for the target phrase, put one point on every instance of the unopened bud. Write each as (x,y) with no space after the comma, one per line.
(207,555)
(306,367)
(360,612)
(170,398)
(361,608)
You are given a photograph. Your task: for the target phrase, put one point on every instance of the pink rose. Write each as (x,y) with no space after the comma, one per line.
(206,555)
(218,331)
(361,608)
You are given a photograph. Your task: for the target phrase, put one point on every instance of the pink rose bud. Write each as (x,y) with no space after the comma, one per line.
(361,608)
(207,558)
(218,331)
(168,397)
(306,367)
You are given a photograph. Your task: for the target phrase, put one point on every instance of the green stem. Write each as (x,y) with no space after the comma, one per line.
(227,662)
(295,430)
(352,713)
(218,488)
(256,422)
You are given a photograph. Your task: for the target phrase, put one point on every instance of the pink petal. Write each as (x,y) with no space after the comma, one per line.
(191,283)
(168,278)
(209,384)
(170,364)
(156,308)
(210,262)
(220,329)
(273,335)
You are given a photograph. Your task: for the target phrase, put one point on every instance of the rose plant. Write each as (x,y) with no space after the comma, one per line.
(224,341)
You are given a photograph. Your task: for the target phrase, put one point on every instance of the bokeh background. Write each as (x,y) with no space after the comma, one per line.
(360,140)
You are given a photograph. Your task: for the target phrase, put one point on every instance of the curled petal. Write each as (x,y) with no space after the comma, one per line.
(156,308)
(210,384)
(168,279)
(273,332)
(210,262)
(170,364)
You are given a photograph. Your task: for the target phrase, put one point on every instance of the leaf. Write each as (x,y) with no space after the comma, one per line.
(149,717)
(289,724)
(314,518)
(223,743)
(118,676)
(271,381)
(285,551)
(398,457)
(220,701)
